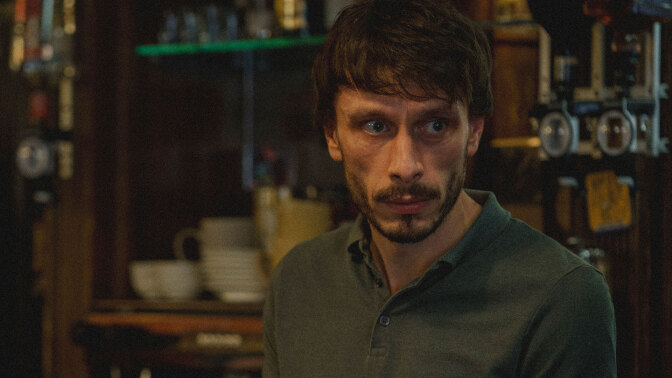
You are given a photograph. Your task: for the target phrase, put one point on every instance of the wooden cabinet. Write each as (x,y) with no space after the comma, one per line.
(197,124)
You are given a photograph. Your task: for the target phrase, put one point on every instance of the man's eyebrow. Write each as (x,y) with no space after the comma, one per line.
(441,108)
(367,108)
(445,109)
(360,114)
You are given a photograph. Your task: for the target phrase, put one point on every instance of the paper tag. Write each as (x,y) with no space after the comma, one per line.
(608,200)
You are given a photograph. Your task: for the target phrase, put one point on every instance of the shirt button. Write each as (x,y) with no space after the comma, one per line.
(384,320)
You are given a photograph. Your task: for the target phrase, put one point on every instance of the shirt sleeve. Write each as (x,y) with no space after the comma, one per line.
(573,334)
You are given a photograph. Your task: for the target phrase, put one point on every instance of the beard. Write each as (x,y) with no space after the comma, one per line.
(407,228)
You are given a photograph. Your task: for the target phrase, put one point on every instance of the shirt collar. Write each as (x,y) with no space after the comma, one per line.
(359,238)
(489,224)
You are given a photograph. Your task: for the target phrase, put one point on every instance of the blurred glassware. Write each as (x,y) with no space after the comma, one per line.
(211,15)
(259,20)
(192,26)
(266,214)
(170,30)
(202,24)
(291,15)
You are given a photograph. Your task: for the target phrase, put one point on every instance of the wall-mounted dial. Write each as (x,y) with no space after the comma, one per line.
(557,134)
(615,132)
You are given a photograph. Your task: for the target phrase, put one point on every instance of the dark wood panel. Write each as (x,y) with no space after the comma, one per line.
(20,352)
(514,81)
(80,229)
(662,311)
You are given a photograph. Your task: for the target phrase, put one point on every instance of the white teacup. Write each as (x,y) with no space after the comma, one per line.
(165,279)
(144,281)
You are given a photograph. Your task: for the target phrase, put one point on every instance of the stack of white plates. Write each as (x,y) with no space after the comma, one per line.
(234,274)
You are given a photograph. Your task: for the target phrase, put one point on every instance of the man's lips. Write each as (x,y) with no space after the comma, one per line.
(407,205)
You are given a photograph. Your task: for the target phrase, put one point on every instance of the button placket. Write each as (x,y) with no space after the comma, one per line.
(379,282)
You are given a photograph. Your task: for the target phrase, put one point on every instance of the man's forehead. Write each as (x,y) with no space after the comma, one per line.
(355,98)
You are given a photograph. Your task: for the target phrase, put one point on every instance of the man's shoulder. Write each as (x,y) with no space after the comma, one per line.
(530,269)
(533,253)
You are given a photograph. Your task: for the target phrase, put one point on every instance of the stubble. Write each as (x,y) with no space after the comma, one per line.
(406,229)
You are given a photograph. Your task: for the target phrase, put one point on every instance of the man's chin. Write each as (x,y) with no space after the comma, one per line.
(405,230)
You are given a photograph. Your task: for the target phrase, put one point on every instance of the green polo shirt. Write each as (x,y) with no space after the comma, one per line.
(506,301)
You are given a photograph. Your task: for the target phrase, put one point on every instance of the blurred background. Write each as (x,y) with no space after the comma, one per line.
(158,158)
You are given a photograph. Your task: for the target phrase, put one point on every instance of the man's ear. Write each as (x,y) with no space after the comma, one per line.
(475,133)
(334,146)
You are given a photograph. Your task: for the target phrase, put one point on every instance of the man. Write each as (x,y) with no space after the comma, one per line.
(432,280)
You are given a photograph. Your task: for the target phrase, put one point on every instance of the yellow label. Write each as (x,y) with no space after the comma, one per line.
(608,202)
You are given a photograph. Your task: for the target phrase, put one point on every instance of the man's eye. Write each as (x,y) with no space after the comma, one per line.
(435,126)
(375,127)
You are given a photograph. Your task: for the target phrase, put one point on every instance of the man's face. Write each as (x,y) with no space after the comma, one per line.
(405,160)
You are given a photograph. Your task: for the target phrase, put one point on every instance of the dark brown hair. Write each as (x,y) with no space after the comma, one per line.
(394,46)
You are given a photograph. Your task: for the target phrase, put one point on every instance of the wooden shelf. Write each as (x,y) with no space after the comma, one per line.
(227,46)
(177,324)
(189,307)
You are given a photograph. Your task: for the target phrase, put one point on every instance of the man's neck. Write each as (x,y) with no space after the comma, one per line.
(401,263)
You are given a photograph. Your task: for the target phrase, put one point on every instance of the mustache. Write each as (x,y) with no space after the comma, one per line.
(415,190)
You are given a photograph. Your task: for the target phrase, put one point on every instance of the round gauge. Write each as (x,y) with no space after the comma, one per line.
(614,132)
(33,157)
(555,134)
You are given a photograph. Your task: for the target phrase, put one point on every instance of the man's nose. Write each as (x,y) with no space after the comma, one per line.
(405,165)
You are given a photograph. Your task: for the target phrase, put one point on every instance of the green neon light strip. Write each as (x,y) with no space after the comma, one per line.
(228,46)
